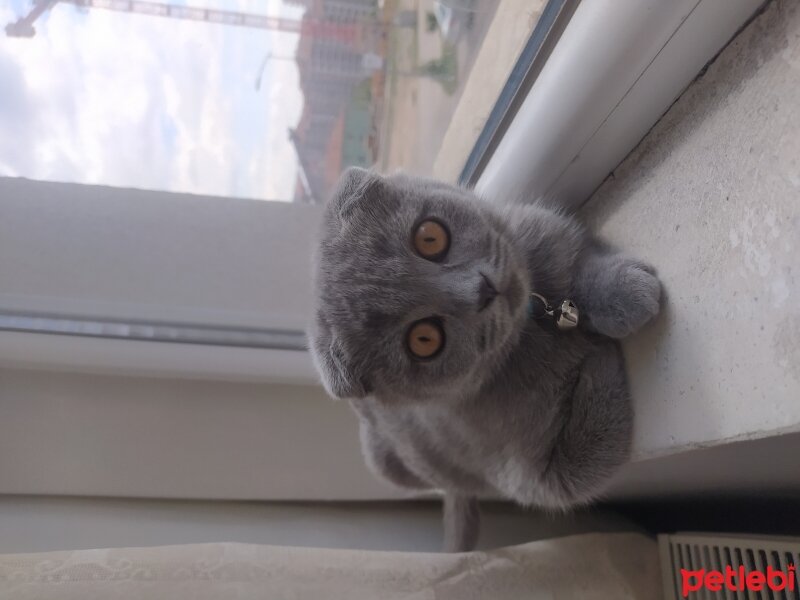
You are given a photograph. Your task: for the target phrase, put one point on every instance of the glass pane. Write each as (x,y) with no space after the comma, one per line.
(264,99)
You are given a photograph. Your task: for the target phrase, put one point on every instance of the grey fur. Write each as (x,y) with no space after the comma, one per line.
(511,406)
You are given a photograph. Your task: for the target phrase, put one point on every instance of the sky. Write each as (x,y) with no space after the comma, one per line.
(146,102)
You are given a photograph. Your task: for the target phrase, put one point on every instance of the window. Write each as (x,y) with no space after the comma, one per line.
(234,98)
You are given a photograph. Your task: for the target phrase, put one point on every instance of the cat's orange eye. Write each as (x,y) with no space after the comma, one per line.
(425,338)
(431,240)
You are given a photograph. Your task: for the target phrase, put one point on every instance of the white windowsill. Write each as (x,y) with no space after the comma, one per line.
(617,67)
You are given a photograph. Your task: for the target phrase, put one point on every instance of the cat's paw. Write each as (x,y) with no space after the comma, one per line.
(633,300)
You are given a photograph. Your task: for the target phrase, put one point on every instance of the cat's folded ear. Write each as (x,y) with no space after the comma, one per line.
(338,375)
(355,186)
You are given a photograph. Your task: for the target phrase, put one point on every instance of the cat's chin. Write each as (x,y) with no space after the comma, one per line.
(516,317)
(515,294)
(512,325)
(507,341)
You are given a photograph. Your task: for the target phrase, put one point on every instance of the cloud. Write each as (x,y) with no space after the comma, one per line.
(18,110)
(137,101)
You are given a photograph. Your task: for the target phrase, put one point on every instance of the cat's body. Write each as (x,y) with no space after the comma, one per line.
(508,405)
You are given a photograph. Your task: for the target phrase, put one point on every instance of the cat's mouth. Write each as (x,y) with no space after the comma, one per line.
(512,292)
(506,300)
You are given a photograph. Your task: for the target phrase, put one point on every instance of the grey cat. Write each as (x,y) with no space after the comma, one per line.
(421,321)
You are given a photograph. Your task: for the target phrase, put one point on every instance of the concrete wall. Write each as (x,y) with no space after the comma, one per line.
(711,197)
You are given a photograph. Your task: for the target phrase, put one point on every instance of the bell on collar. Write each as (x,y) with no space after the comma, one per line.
(566,315)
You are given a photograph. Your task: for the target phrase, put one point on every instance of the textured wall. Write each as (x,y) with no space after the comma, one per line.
(711,197)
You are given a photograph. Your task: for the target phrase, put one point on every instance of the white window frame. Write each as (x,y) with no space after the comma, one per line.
(123,281)
(617,67)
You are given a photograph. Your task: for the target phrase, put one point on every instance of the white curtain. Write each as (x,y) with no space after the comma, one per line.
(602,566)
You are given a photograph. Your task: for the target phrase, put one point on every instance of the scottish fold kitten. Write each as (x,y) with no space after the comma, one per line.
(421,321)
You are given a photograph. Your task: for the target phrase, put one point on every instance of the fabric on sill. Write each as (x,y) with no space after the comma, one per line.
(596,566)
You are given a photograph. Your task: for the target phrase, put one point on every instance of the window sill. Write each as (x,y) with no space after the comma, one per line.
(615,70)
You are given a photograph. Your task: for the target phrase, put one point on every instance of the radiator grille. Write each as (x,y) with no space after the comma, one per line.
(713,552)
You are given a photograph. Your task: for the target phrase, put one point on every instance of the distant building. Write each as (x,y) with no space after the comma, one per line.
(330,68)
(348,11)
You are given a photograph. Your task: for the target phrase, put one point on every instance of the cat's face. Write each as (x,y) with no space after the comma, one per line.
(419,289)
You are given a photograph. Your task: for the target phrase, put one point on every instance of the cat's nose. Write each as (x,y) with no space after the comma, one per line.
(486,293)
